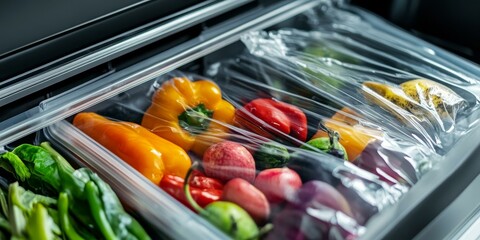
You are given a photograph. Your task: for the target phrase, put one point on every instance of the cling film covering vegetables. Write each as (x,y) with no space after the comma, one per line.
(183,112)
(279,115)
(77,204)
(381,78)
(307,135)
(392,154)
(257,172)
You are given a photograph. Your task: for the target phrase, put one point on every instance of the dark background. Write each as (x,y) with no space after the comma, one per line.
(450,24)
(33,33)
(37,32)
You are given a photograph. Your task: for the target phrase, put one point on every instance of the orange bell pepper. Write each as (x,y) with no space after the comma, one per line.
(189,114)
(149,154)
(353,137)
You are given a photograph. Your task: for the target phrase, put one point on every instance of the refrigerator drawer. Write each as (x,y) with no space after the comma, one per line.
(403,220)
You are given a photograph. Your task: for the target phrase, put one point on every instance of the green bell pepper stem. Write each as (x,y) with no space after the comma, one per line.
(195,120)
(98,212)
(64,218)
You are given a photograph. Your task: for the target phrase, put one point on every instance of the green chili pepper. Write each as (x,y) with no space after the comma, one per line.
(228,217)
(123,224)
(65,218)
(330,144)
(98,212)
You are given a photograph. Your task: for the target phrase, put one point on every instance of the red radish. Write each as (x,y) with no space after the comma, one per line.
(228,160)
(278,184)
(248,197)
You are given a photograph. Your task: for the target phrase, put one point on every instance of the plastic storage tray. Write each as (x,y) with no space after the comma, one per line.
(164,213)
(399,221)
(80,161)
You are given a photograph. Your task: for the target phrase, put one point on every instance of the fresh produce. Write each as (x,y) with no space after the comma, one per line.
(264,116)
(189,113)
(271,155)
(316,193)
(228,160)
(315,211)
(199,180)
(320,223)
(353,137)
(418,96)
(248,197)
(64,217)
(226,216)
(204,190)
(278,184)
(151,155)
(365,149)
(87,206)
(391,166)
(328,144)
(311,167)
(26,214)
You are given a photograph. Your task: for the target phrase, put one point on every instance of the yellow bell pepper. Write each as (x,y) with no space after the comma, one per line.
(189,114)
(353,136)
(151,155)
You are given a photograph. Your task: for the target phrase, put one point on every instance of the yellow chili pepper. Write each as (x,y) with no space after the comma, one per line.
(189,114)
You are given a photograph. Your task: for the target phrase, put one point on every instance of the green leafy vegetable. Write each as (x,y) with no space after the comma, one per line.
(41,164)
(87,207)
(41,225)
(19,167)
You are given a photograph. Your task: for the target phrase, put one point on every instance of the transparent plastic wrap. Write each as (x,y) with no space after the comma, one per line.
(401,80)
(190,124)
(389,152)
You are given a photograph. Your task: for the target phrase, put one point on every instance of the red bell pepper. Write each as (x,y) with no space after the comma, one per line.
(203,182)
(274,114)
(204,190)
